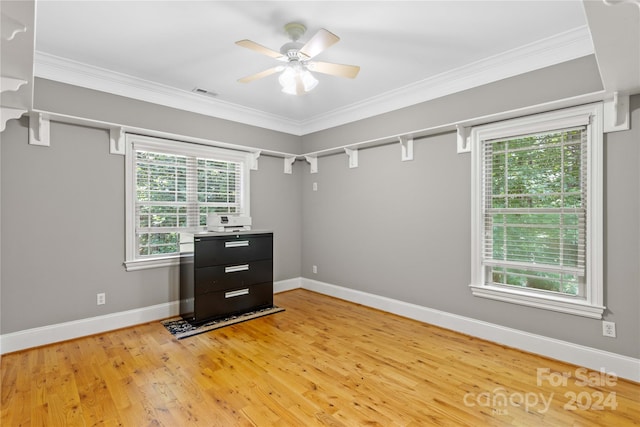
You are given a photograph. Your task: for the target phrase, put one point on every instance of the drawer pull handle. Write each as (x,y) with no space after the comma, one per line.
(237,293)
(236,243)
(236,268)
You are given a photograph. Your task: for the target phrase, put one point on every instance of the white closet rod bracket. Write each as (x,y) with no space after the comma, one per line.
(353,157)
(616,113)
(406,145)
(253,160)
(464,145)
(288,164)
(116,141)
(313,163)
(39,130)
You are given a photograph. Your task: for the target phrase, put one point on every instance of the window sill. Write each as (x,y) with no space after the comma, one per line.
(144,264)
(547,302)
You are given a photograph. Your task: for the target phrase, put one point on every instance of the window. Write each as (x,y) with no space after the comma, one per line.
(171,187)
(537,211)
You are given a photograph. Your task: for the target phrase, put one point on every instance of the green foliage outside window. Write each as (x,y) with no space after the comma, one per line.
(175,193)
(535,208)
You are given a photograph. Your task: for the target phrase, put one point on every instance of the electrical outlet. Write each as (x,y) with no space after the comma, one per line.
(101,299)
(314,269)
(315,186)
(608,329)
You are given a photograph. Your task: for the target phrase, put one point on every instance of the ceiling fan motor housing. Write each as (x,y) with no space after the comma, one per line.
(291,50)
(295,30)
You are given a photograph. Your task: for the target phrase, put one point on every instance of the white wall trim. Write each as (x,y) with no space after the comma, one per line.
(622,366)
(287,285)
(591,303)
(76,73)
(592,358)
(49,334)
(566,46)
(570,45)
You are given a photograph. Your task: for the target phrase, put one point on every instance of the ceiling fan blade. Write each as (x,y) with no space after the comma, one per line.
(260,75)
(320,41)
(341,70)
(260,49)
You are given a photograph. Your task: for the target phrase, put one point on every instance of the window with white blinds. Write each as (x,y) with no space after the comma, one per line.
(173,186)
(537,211)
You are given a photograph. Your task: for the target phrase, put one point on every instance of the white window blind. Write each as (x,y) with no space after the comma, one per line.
(535,204)
(174,185)
(536,224)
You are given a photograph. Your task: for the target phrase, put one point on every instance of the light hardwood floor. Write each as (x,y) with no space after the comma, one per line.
(321,362)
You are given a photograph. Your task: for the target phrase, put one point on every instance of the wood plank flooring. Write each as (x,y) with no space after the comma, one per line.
(322,362)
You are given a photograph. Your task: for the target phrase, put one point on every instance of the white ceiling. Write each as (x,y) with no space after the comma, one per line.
(408,51)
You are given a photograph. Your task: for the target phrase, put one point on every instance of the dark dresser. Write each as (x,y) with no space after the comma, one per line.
(225,273)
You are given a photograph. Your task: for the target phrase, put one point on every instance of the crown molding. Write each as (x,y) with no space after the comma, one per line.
(566,46)
(572,44)
(76,73)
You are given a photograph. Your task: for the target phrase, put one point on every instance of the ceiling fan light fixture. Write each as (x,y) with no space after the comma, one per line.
(297,80)
(295,77)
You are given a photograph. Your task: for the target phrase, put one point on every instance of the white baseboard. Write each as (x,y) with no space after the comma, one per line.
(287,285)
(622,366)
(49,334)
(79,328)
(592,358)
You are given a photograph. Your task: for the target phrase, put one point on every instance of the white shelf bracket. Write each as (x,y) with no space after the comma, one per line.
(616,113)
(39,130)
(116,141)
(8,113)
(617,2)
(464,145)
(11,27)
(288,164)
(353,157)
(253,160)
(313,163)
(406,145)
(10,84)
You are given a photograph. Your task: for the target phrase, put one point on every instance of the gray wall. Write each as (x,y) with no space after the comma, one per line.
(63,228)
(276,200)
(531,89)
(392,228)
(92,104)
(402,230)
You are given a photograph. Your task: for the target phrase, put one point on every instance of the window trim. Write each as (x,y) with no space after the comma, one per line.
(132,263)
(592,303)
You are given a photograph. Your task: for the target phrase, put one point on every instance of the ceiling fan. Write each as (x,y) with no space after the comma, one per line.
(296,77)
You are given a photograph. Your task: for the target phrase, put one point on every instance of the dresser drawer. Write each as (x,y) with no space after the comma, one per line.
(222,303)
(234,249)
(221,277)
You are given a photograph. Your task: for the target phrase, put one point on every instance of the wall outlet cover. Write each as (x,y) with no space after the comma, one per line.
(608,329)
